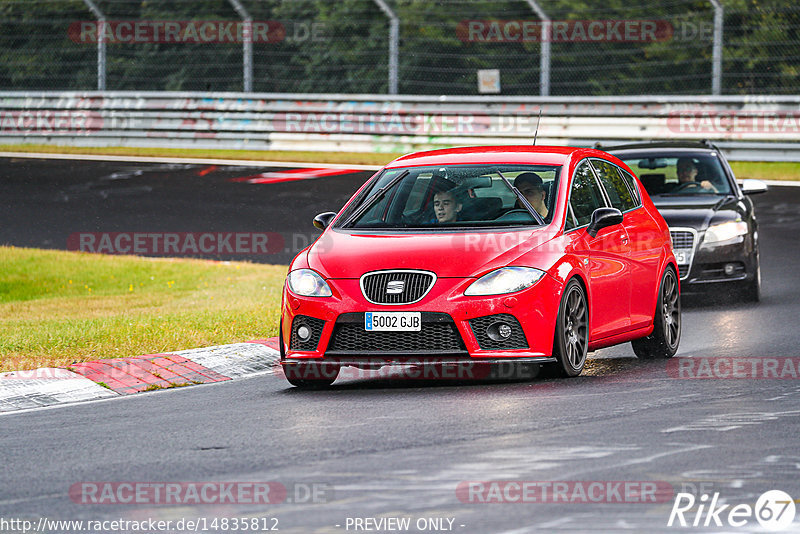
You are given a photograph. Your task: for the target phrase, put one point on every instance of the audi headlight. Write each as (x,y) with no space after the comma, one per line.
(504,280)
(727,231)
(308,283)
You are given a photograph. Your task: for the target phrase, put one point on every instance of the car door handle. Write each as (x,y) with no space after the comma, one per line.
(624,240)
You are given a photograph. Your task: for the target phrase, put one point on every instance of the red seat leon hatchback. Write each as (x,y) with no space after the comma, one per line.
(483,255)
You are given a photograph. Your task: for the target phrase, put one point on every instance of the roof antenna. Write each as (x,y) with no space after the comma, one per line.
(536,133)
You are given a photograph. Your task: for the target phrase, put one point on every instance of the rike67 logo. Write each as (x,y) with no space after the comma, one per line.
(774,511)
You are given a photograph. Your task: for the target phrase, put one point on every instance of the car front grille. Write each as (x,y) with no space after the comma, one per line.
(396,287)
(438,335)
(683,239)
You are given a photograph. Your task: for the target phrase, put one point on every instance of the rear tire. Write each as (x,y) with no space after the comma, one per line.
(570,343)
(666,336)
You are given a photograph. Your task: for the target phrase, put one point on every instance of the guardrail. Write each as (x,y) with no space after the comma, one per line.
(747,128)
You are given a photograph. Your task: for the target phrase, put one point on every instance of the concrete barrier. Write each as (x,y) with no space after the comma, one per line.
(747,128)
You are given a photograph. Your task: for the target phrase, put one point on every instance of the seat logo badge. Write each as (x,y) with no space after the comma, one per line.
(395,287)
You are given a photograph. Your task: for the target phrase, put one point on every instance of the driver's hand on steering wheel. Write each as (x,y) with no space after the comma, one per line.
(705,184)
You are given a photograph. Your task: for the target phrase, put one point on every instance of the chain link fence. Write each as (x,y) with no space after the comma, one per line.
(450,47)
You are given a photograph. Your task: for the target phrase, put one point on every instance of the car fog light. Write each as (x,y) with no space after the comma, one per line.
(498,331)
(730,268)
(303,332)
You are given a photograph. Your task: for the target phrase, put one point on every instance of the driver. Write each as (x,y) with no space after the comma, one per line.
(531,186)
(687,174)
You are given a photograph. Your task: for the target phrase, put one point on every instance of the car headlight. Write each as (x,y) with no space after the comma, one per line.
(504,280)
(726,231)
(308,283)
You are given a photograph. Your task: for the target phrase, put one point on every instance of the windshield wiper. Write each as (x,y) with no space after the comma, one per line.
(523,200)
(369,202)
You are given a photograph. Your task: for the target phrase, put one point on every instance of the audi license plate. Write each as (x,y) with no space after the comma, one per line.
(393,321)
(683,257)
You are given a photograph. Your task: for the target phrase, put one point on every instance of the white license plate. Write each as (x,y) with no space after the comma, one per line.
(683,257)
(393,321)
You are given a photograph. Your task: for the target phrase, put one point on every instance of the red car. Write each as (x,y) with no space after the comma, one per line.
(483,254)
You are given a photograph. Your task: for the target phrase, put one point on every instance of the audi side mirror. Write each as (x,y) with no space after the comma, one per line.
(753,187)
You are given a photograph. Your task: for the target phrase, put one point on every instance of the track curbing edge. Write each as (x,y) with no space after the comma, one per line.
(103,379)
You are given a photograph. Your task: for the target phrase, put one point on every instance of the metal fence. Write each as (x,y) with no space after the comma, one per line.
(450,47)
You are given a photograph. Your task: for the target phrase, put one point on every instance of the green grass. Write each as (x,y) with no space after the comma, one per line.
(58,307)
(353,158)
(762,170)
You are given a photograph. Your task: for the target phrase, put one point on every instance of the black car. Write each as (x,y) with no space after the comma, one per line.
(711,219)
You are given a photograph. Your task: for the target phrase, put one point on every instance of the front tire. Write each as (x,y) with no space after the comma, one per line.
(571,342)
(666,336)
(752,291)
(311,376)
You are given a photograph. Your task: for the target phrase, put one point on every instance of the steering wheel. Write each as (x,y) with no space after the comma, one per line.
(686,185)
(513,214)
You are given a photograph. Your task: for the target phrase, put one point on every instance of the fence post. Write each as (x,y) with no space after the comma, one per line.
(394,41)
(101,44)
(716,69)
(247,45)
(544,58)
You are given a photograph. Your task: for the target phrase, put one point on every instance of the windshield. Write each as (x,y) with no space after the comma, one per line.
(673,174)
(446,197)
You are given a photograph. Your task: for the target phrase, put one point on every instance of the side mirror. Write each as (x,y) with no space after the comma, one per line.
(753,187)
(323,220)
(603,217)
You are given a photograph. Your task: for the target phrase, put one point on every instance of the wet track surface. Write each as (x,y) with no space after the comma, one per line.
(44,202)
(389,447)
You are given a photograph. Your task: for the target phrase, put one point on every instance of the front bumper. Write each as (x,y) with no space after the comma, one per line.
(452,331)
(728,263)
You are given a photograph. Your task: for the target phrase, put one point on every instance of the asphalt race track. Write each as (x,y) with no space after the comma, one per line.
(387,447)
(44,202)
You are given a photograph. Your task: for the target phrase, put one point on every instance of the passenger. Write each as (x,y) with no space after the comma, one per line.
(687,174)
(531,186)
(446,207)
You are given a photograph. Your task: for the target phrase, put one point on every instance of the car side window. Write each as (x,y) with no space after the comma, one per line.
(570,220)
(631,182)
(614,184)
(585,195)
